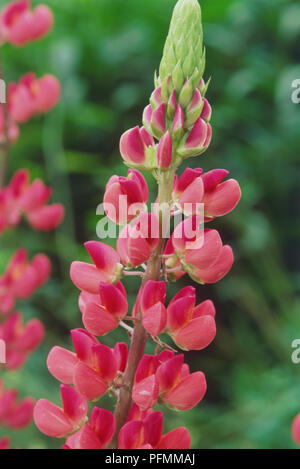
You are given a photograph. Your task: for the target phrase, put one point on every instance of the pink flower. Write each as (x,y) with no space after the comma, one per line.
(20,340)
(191,327)
(125,197)
(148,434)
(22,278)
(153,310)
(138,240)
(92,368)
(32,95)
(14,414)
(102,313)
(57,422)
(19,25)
(296,429)
(96,434)
(106,268)
(133,145)
(166,378)
(44,92)
(198,252)
(21,197)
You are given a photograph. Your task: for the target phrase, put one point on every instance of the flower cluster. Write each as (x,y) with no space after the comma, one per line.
(176,125)
(143,429)
(20,25)
(20,197)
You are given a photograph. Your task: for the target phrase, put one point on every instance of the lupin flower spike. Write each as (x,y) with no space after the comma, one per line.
(176,125)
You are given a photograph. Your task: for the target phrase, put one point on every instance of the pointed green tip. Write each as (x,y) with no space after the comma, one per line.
(183,51)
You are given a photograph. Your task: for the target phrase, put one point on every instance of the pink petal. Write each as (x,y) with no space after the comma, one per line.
(155,319)
(132,147)
(206,308)
(87,439)
(46,218)
(207,253)
(153,292)
(198,334)
(164,151)
(48,95)
(180,312)
(176,439)
(153,428)
(169,373)
(51,420)
(113,300)
(104,257)
(87,277)
(83,342)
(212,178)
(223,199)
(197,135)
(42,21)
(88,382)
(104,362)
(206,111)
(121,355)
(219,269)
(103,423)
(193,194)
(74,405)
(61,364)
(131,435)
(31,337)
(97,320)
(189,392)
(42,266)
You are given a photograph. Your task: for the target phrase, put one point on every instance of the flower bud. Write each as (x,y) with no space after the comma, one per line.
(172,105)
(156,98)
(194,110)
(197,140)
(178,123)
(164,151)
(133,146)
(183,51)
(206,111)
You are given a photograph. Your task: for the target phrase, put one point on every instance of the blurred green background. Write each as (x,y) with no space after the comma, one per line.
(105,52)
